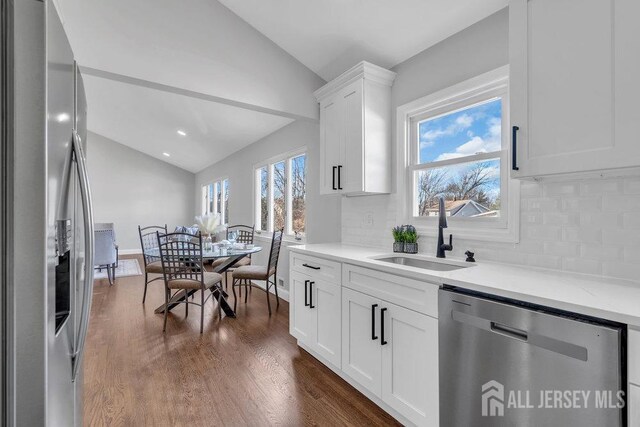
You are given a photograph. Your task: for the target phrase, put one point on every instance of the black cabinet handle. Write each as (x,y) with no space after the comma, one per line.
(311,295)
(382,341)
(306,293)
(339,174)
(311,267)
(333,178)
(514,144)
(373,322)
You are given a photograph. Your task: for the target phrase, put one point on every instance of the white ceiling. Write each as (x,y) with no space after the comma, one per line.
(330,36)
(147,120)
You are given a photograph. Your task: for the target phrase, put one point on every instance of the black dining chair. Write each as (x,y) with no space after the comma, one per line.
(183,271)
(244,276)
(150,253)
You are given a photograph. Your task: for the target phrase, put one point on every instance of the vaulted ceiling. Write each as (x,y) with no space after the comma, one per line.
(229,73)
(330,36)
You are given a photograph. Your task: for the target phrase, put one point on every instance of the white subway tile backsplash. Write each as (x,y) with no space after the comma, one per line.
(600,186)
(582,204)
(582,234)
(560,218)
(586,226)
(561,188)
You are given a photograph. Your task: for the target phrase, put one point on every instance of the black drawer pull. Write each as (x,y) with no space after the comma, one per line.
(311,267)
(306,293)
(382,341)
(373,322)
(334,178)
(311,295)
(339,173)
(514,147)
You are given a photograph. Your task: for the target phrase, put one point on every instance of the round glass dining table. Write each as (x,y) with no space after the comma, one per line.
(230,256)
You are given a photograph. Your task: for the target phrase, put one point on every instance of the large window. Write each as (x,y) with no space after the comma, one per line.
(280,194)
(215,199)
(457,149)
(459,160)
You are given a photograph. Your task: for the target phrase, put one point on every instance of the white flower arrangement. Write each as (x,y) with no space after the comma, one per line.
(210,224)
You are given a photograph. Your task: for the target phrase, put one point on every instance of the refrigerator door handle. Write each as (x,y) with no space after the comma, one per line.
(85,193)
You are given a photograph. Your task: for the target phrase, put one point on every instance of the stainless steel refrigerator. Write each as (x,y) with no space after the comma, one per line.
(49,253)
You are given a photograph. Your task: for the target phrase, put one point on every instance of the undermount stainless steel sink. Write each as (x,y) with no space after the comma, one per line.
(422,263)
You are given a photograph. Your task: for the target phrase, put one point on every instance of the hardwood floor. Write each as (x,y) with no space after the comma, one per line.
(243,371)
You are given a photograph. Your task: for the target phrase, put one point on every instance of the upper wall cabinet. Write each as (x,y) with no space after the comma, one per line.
(574,85)
(355,131)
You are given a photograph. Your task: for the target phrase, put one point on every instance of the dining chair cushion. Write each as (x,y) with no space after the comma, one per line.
(154,267)
(253,272)
(210,279)
(218,261)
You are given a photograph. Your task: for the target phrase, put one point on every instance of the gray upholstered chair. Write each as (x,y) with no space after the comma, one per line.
(150,253)
(244,276)
(106,249)
(183,271)
(245,235)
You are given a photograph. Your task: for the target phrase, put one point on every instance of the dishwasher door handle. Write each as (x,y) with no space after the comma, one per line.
(509,331)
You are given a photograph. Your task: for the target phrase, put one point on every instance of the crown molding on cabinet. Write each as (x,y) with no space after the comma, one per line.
(365,70)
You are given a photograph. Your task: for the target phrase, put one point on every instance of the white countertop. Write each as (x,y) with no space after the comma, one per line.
(612,299)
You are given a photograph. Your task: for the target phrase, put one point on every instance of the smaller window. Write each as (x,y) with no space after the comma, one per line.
(215,199)
(280,196)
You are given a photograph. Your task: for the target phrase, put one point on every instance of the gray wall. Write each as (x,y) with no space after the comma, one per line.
(323,212)
(130,188)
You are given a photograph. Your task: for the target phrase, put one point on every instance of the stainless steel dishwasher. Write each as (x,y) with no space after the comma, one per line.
(508,363)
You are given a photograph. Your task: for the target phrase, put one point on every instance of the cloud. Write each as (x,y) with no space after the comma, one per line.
(461,123)
(492,141)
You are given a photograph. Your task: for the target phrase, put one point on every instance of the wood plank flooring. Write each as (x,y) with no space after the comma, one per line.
(246,371)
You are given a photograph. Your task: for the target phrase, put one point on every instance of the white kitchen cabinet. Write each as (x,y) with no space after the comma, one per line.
(301,318)
(355,131)
(574,88)
(315,315)
(361,353)
(392,352)
(410,365)
(634,405)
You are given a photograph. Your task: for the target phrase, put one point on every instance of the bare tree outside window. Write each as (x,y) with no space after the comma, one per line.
(264,198)
(298,193)
(279,193)
(459,159)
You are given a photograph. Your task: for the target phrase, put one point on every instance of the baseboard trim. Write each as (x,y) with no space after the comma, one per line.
(129,251)
(282,293)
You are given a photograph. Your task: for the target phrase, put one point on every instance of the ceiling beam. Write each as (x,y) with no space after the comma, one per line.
(190,93)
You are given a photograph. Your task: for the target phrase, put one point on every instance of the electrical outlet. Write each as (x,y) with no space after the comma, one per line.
(368,219)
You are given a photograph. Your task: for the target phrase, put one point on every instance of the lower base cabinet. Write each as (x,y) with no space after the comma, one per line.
(316,315)
(392,352)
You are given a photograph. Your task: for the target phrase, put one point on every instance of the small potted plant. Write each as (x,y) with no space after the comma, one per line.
(410,239)
(398,238)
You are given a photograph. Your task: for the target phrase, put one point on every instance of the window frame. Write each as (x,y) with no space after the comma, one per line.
(223,195)
(287,158)
(491,85)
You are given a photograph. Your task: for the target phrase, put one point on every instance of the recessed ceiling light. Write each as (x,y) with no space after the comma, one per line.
(181,132)
(166,154)
(62,117)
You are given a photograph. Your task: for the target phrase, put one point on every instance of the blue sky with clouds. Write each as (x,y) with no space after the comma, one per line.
(473,130)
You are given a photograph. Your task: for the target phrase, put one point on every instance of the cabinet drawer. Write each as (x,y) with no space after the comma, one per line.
(317,268)
(633,354)
(412,294)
